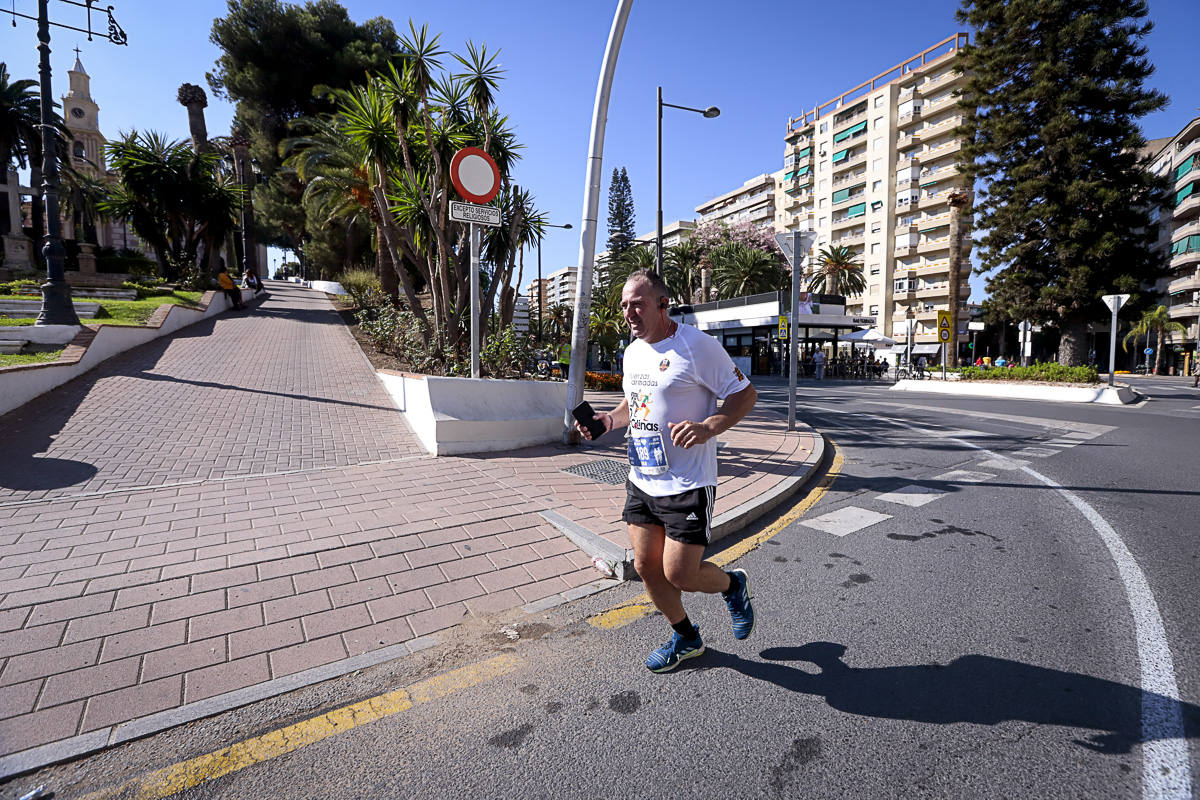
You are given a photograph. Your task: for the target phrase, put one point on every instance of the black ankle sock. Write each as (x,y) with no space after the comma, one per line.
(734,584)
(686,629)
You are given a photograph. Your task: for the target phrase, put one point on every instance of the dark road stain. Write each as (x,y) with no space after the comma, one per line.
(511,739)
(829,566)
(592,704)
(857,579)
(529,689)
(780,559)
(838,555)
(1021,639)
(937,521)
(900,537)
(774,543)
(466,547)
(625,702)
(803,751)
(553,707)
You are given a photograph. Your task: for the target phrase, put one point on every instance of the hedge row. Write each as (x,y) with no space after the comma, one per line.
(1050,372)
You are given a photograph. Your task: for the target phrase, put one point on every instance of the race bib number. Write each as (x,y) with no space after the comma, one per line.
(647,454)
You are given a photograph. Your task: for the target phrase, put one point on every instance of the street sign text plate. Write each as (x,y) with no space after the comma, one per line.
(469,212)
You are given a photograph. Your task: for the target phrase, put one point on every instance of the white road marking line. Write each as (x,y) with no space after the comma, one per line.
(1166,769)
(845,520)
(911,495)
(1062,442)
(964,476)
(1037,452)
(1003,463)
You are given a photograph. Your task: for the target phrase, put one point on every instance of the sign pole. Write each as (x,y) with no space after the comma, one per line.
(1113,301)
(793,309)
(474,300)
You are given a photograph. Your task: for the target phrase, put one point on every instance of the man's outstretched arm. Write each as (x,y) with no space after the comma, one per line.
(736,406)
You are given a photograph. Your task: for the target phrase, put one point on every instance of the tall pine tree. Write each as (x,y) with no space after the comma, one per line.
(621,228)
(1053,93)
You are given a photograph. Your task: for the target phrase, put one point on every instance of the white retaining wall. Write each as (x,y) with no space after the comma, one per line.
(19,386)
(452,416)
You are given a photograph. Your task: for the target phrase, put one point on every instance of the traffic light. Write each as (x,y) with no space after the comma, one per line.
(970,345)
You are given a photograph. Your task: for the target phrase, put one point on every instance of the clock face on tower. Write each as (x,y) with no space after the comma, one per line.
(77,113)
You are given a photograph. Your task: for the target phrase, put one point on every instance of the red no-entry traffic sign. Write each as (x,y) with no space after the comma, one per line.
(475,175)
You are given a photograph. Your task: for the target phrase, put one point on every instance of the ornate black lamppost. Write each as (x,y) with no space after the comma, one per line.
(240,146)
(56,294)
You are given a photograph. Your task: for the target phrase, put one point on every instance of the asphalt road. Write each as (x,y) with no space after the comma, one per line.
(944,622)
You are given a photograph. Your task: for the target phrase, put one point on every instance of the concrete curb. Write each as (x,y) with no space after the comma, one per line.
(1117,395)
(621,561)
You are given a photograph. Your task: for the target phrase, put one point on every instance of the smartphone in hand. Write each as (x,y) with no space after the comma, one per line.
(585,415)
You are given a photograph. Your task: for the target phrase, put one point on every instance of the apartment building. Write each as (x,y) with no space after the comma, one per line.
(535,294)
(561,287)
(1179,160)
(873,169)
(673,233)
(753,202)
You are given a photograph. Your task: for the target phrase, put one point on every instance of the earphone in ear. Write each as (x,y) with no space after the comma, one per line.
(663,303)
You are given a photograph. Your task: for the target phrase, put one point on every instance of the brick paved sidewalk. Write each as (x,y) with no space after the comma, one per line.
(238,508)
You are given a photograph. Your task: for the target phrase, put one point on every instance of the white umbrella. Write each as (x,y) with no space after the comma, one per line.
(869,336)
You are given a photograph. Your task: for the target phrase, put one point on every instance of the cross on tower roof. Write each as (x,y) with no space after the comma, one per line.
(76,52)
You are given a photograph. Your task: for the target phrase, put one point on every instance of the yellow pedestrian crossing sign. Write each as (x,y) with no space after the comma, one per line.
(783,326)
(943,326)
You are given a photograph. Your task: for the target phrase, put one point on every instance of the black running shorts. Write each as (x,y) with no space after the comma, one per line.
(686,517)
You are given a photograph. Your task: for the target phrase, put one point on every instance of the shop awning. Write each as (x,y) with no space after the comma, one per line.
(926,349)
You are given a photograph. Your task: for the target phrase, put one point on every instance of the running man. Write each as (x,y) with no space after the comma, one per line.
(674,375)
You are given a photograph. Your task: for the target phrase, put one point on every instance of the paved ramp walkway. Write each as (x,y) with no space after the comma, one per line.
(237,510)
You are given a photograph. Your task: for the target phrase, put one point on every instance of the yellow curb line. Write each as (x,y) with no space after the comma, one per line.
(193,772)
(640,606)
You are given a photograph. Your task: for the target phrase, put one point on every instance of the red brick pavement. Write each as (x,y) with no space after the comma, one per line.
(239,503)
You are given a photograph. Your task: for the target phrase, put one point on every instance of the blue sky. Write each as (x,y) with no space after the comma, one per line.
(759,61)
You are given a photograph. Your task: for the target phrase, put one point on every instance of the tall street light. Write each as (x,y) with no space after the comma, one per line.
(542,291)
(57,308)
(710,112)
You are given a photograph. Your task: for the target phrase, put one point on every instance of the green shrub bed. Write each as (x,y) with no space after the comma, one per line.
(1048,373)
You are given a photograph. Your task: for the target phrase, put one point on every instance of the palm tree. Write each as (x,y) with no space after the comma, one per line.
(1157,320)
(840,267)
(830,263)
(558,320)
(682,266)
(740,270)
(605,328)
(20,114)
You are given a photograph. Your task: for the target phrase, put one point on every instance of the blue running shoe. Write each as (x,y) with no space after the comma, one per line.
(667,657)
(740,607)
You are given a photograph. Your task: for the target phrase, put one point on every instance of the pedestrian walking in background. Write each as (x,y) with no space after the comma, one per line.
(674,375)
(564,359)
(1196,370)
(819,364)
(231,291)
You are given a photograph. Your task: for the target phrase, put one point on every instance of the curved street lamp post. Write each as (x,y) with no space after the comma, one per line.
(709,113)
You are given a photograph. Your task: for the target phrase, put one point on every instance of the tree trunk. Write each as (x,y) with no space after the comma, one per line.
(389,280)
(830,281)
(1072,351)
(958,202)
(1158,351)
(705,282)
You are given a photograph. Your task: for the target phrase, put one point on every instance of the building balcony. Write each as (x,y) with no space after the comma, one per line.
(940,290)
(933,174)
(944,149)
(1189,208)
(841,180)
(933,200)
(943,102)
(1192,174)
(947,78)
(851,162)
(797,200)
(934,245)
(1184,311)
(909,118)
(933,220)
(846,222)
(907,163)
(841,124)
(849,200)
(1186,260)
(849,240)
(1188,150)
(1185,284)
(934,267)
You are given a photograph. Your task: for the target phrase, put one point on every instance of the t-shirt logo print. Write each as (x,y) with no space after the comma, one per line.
(739,374)
(662,365)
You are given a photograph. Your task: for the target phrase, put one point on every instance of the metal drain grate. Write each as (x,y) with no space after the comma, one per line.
(604,470)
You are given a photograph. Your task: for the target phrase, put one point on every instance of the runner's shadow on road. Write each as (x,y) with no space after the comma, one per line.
(983,690)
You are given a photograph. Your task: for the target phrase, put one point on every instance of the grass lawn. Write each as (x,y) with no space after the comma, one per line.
(29,358)
(119,312)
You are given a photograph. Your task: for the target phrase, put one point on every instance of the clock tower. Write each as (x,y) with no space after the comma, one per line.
(82,118)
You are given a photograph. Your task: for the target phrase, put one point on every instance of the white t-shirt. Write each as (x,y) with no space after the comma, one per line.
(680,378)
